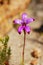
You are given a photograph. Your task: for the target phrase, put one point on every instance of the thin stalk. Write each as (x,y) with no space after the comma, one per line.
(23,47)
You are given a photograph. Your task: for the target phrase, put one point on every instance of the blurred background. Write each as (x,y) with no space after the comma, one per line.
(36,9)
(12,9)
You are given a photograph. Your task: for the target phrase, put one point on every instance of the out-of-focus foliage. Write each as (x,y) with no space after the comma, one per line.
(5,52)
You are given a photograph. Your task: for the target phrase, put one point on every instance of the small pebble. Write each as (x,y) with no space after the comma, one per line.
(33,62)
(36,53)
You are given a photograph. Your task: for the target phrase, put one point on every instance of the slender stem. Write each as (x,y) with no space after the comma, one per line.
(24,46)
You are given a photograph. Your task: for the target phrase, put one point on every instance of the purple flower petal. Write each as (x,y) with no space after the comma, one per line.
(24,16)
(17,21)
(20,29)
(27,29)
(29,20)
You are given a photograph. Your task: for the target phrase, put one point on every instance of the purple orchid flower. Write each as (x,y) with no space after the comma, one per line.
(25,20)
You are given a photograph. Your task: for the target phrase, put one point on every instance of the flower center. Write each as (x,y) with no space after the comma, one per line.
(24,24)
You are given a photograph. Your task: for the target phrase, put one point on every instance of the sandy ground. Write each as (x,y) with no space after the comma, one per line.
(16,43)
(33,41)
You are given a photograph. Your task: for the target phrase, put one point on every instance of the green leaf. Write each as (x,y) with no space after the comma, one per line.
(6,39)
(1,40)
(9,51)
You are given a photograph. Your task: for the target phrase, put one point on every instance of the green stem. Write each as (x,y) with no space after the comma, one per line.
(23,47)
